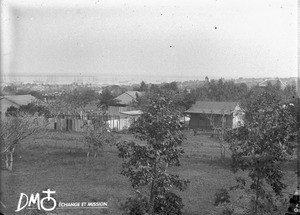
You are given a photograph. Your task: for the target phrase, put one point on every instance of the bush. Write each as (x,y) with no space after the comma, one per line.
(137,205)
(168,204)
(221,196)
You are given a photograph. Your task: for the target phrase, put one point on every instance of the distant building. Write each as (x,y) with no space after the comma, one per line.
(124,101)
(203,114)
(128,97)
(272,82)
(14,100)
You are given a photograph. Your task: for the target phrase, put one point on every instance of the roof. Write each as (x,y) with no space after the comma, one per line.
(132,113)
(273,82)
(128,97)
(19,99)
(212,107)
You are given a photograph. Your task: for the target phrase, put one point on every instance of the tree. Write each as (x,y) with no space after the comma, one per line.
(34,108)
(78,99)
(10,89)
(184,100)
(96,135)
(170,86)
(220,91)
(14,130)
(107,99)
(143,87)
(11,111)
(146,165)
(261,145)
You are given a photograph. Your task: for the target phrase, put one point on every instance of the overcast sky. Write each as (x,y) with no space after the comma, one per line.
(222,38)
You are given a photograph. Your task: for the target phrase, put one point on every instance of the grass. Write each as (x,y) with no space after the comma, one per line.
(57,161)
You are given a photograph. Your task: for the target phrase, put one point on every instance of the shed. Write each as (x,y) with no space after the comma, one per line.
(205,114)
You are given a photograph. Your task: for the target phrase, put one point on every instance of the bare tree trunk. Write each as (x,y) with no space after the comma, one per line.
(11,161)
(9,158)
(6,160)
(151,201)
(256,198)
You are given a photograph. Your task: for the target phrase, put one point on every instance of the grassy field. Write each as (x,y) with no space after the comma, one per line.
(57,161)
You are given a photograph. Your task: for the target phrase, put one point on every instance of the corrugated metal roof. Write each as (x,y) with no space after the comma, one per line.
(133,112)
(212,107)
(19,99)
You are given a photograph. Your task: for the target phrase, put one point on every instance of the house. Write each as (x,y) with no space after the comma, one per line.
(125,120)
(128,97)
(14,100)
(124,114)
(272,82)
(124,101)
(204,115)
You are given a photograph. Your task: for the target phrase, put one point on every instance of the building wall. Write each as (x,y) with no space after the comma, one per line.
(115,110)
(199,121)
(238,117)
(202,122)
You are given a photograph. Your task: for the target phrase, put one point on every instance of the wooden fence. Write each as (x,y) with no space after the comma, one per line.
(68,123)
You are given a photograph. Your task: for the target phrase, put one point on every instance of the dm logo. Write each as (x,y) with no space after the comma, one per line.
(35,199)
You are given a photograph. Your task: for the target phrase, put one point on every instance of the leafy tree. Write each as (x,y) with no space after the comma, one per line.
(289,93)
(107,99)
(172,86)
(11,111)
(143,87)
(96,135)
(260,146)
(14,130)
(33,108)
(220,90)
(79,98)
(147,165)
(10,89)
(183,100)
(58,106)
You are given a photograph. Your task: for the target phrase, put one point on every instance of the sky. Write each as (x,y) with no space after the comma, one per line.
(214,38)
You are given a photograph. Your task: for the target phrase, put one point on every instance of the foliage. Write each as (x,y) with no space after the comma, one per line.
(220,90)
(33,108)
(142,88)
(72,102)
(146,165)
(107,99)
(137,205)
(30,109)
(10,89)
(11,111)
(222,196)
(172,86)
(182,100)
(261,145)
(77,99)
(16,128)
(96,135)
